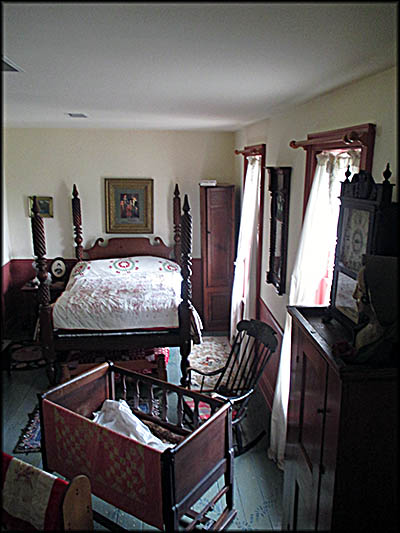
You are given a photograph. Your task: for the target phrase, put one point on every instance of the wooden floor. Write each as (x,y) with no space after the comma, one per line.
(258,482)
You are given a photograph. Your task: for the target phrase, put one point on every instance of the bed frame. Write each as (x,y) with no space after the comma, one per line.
(161,488)
(57,342)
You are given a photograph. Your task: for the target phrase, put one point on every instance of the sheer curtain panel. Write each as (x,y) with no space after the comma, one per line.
(244,281)
(313,267)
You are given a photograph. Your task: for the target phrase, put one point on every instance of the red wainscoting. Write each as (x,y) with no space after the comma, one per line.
(5,278)
(5,284)
(268,379)
(21,272)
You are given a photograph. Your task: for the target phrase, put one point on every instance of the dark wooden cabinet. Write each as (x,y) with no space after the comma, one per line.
(217,206)
(341,451)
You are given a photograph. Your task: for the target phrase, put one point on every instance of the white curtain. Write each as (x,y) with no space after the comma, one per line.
(314,258)
(244,281)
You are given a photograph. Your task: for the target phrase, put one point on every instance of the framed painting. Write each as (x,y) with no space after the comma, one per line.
(45,206)
(129,205)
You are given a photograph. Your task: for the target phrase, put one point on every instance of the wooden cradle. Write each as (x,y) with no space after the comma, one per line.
(159,488)
(57,342)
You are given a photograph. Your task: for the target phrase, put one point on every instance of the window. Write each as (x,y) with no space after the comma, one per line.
(362,137)
(336,143)
(248,152)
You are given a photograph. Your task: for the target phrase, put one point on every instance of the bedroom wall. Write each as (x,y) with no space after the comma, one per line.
(47,162)
(5,244)
(5,255)
(371,100)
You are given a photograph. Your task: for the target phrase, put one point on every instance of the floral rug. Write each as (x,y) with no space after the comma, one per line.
(25,355)
(211,354)
(29,440)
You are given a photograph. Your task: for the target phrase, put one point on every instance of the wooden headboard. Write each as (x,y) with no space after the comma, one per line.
(128,247)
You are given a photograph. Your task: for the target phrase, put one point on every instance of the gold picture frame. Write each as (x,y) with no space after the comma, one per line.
(45,206)
(129,205)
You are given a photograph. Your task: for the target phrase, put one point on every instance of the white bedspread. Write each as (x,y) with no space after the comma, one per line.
(120,294)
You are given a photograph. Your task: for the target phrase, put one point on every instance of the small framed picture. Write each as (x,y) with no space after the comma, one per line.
(58,269)
(45,206)
(129,205)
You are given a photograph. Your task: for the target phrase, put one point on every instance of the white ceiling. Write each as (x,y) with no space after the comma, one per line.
(213,66)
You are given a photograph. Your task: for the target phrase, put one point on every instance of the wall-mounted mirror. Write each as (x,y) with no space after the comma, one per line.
(279,187)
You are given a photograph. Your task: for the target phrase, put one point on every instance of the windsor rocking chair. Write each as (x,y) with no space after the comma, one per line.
(254,343)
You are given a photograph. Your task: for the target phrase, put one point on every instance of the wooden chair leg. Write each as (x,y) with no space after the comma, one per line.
(240,448)
(239,440)
(161,368)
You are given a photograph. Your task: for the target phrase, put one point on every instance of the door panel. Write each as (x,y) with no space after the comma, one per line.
(217,206)
(219,245)
(307,408)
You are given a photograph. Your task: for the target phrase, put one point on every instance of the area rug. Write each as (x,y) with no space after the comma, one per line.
(25,355)
(210,355)
(29,440)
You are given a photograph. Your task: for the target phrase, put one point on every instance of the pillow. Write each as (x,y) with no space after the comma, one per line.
(123,266)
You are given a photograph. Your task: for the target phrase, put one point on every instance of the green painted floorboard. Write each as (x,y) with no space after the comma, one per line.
(258,482)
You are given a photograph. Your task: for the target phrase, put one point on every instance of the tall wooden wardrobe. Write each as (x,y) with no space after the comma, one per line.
(217,213)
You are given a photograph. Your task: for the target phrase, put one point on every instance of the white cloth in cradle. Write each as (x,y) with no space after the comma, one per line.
(117,415)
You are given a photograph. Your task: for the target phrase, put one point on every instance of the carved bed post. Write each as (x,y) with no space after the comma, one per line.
(77,220)
(177,225)
(46,330)
(186,293)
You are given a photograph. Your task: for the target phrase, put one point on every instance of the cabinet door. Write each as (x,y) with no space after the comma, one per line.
(219,223)
(217,227)
(328,460)
(306,413)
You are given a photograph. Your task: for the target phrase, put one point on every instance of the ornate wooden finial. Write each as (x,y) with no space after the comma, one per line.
(387,172)
(77,221)
(387,187)
(177,224)
(186,206)
(346,184)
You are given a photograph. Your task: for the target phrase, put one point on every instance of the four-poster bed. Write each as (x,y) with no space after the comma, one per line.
(58,337)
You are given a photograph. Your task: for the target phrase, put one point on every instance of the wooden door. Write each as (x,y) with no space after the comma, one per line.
(306,411)
(217,244)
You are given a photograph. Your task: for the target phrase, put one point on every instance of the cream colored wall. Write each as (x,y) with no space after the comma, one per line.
(5,244)
(47,162)
(371,100)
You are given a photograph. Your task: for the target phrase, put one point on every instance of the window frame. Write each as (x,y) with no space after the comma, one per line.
(335,140)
